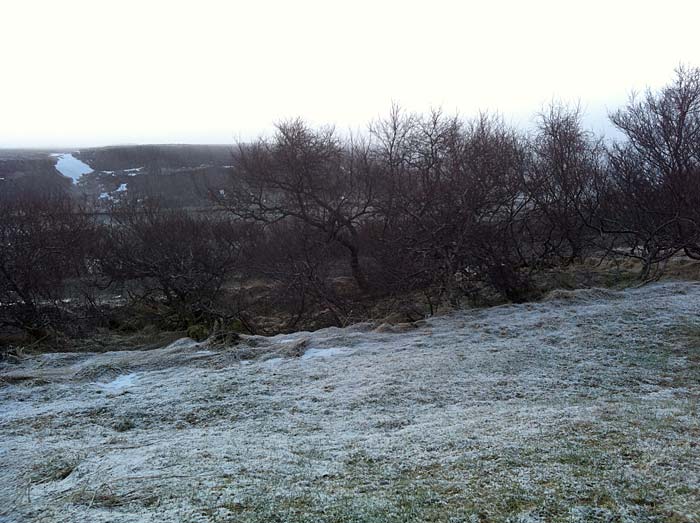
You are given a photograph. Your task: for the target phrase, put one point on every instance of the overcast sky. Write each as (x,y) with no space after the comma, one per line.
(93,72)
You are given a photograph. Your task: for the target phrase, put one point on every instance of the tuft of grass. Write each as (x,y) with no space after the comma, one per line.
(123,425)
(56,467)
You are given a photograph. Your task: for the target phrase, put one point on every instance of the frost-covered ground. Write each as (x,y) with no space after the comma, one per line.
(583,407)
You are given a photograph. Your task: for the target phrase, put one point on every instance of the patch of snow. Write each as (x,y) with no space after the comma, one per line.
(182,344)
(110,195)
(325,353)
(119,384)
(70,167)
(272,362)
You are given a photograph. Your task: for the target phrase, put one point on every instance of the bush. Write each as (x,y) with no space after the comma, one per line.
(174,263)
(43,239)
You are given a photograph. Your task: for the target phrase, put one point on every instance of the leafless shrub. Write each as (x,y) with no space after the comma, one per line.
(43,238)
(453,206)
(310,176)
(177,262)
(652,198)
(298,273)
(562,182)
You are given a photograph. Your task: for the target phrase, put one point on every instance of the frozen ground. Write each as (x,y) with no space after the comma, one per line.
(583,407)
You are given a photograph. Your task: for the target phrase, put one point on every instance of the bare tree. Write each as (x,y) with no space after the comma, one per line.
(172,258)
(562,180)
(664,128)
(307,175)
(453,204)
(653,195)
(43,240)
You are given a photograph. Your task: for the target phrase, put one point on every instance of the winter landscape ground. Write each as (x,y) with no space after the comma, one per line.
(582,407)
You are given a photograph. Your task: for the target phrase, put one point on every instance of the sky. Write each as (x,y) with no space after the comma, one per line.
(78,73)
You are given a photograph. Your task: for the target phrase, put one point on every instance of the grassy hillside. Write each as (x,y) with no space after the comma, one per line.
(581,408)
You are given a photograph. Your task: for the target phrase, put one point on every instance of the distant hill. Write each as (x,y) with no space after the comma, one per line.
(156,159)
(29,169)
(179,175)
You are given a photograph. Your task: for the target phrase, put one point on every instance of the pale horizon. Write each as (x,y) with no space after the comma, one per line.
(83,74)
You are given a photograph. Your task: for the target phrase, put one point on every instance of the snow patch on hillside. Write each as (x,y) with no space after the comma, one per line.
(325,353)
(118,384)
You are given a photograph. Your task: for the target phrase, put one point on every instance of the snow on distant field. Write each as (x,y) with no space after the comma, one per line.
(134,171)
(70,167)
(580,408)
(110,195)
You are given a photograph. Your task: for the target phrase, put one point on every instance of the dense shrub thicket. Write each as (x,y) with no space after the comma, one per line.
(315,222)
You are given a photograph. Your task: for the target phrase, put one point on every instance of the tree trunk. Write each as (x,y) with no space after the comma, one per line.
(351,244)
(357,272)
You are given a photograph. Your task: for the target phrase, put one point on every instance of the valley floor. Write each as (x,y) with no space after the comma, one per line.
(583,407)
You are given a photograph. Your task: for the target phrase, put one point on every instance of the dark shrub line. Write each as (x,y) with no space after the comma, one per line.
(317,224)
